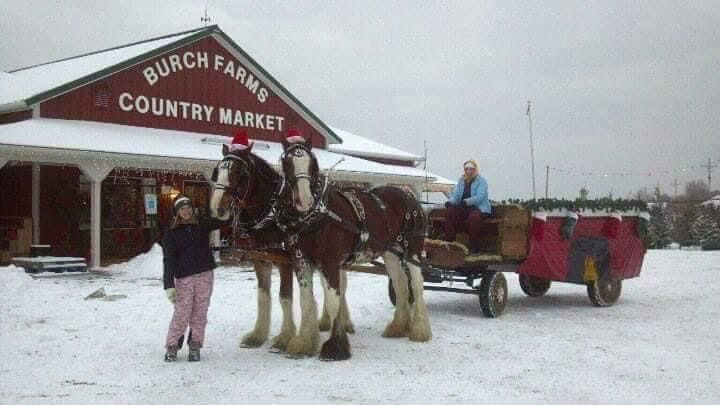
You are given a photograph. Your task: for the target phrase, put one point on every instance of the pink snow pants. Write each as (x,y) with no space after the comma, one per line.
(191,307)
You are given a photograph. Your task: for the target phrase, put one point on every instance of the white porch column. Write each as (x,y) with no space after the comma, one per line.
(35,204)
(96,172)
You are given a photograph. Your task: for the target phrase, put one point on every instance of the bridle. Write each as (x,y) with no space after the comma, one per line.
(239,205)
(297,149)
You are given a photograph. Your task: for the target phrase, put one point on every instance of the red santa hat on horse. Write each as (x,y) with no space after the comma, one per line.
(240,141)
(294,136)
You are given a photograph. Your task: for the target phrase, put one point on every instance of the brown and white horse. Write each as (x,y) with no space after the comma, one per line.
(248,211)
(247,189)
(333,230)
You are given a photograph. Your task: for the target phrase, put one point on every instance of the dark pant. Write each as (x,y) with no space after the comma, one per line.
(454,218)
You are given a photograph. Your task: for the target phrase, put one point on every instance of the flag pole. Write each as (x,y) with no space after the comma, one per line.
(532,149)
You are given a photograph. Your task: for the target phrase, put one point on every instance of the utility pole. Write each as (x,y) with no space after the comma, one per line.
(676,183)
(709,166)
(547,180)
(532,149)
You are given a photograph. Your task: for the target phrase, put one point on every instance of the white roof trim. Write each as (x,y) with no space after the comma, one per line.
(66,142)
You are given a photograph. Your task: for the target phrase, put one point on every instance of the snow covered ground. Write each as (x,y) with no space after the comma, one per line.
(660,342)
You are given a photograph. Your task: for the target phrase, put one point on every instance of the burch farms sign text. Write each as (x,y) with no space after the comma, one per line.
(188,110)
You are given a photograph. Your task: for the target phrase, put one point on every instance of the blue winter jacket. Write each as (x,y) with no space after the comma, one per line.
(478,194)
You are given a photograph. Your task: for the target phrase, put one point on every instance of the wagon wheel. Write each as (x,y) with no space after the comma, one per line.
(493,294)
(604,293)
(391,292)
(533,286)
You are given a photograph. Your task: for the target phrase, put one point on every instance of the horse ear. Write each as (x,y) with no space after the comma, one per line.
(308,144)
(284,143)
(250,147)
(225,149)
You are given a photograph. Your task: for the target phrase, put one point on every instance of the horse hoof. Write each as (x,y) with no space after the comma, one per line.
(395,331)
(278,347)
(420,332)
(250,342)
(324,324)
(335,350)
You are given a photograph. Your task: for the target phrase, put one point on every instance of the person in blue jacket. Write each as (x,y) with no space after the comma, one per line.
(468,201)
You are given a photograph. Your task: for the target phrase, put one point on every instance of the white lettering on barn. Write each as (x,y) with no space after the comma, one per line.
(177,62)
(162,107)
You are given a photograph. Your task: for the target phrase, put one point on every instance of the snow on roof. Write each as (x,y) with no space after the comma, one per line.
(21,84)
(715,201)
(358,145)
(89,136)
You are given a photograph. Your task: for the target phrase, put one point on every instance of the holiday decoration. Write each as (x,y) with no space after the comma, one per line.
(537,229)
(602,204)
(612,225)
(240,141)
(568,226)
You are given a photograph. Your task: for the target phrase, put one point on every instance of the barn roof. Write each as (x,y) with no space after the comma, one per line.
(22,88)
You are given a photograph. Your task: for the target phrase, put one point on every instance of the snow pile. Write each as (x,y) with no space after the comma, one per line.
(14,278)
(145,265)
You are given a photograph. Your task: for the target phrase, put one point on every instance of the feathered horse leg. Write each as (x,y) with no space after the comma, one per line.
(344,314)
(260,333)
(287,331)
(420,322)
(306,342)
(337,346)
(400,324)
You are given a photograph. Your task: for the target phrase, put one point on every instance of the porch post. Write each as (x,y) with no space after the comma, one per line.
(35,203)
(96,172)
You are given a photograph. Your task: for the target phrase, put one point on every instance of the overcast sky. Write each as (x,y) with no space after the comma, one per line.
(616,87)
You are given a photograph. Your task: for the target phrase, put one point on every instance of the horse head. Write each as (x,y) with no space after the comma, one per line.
(232,181)
(302,172)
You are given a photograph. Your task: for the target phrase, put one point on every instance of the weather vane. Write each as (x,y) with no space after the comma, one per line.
(205,19)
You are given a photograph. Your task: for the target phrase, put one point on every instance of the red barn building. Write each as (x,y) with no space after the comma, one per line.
(94,147)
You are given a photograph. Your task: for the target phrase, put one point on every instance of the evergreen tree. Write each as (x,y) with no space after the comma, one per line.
(705,230)
(660,229)
(684,218)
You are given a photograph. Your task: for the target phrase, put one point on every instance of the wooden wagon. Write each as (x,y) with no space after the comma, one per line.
(594,249)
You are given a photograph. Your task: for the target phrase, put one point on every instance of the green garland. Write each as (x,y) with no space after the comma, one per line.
(602,204)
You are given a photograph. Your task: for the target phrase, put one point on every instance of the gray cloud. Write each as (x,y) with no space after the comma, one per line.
(616,86)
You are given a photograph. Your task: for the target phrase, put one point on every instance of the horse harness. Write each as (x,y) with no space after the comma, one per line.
(320,210)
(243,229)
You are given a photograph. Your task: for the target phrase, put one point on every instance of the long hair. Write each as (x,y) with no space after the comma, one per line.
(467,178)
(177,220)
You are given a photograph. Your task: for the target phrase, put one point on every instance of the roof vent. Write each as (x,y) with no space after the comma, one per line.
(102,96)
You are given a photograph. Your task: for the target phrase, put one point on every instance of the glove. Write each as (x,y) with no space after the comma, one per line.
(171,295)
(448,204)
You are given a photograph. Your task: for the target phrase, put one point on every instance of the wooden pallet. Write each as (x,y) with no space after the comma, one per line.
(50,263)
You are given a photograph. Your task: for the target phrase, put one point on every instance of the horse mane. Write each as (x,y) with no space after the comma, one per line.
(264,168)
